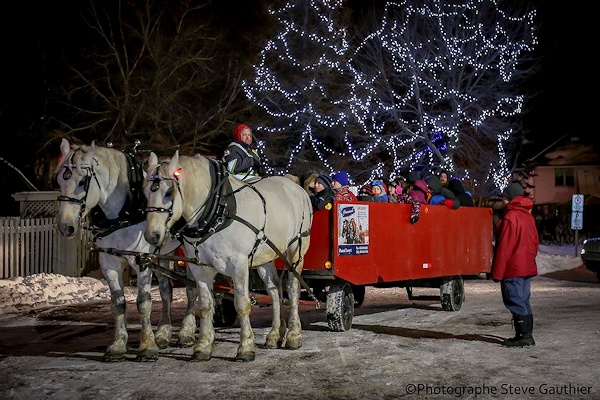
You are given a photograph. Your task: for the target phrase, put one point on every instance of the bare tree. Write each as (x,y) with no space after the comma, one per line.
(161,73)
(448,79)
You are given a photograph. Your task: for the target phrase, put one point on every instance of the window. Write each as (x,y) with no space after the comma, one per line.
(564,177)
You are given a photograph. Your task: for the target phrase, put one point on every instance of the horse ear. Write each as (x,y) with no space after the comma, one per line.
(88,155)
(153,159)
(174,163)
(65,147)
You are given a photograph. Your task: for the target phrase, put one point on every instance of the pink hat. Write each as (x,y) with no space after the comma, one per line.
(237,132)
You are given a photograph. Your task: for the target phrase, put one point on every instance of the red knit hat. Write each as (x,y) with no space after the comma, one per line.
(237,132)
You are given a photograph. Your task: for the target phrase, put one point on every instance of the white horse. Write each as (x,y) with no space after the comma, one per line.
(107,184)
(230,226)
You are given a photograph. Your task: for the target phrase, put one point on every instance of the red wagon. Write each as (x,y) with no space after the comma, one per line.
(359,244)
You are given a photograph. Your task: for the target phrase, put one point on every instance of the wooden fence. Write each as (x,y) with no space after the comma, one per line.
(32,245)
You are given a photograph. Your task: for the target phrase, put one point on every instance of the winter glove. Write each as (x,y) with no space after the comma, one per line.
(414,219)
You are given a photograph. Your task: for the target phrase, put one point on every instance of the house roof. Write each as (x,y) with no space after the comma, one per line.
(568,150)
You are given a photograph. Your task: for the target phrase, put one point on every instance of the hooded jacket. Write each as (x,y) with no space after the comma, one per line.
(456,187)
(439,192)
(517,241)
(419,191)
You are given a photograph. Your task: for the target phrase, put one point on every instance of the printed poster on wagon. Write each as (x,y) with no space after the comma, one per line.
(353,229)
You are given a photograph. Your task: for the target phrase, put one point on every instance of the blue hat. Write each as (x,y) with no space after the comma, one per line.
(341,177)
(324,180)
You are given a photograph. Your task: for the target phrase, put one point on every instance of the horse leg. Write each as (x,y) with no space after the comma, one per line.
(202,350)
(241,300)
(148,350)
(165,329)
(112,269)
(187,332)
(294,337)
(268,274)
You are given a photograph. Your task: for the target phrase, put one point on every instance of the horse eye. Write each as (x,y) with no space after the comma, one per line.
(155,185)
(169,193)
(84,181)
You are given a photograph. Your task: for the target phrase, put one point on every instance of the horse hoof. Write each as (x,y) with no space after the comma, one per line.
(147,356)
(197,357)
(293,344)
(113,357)
(245,357)
(185,342)
(162,343)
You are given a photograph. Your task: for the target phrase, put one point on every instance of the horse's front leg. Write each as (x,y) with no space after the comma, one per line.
(268,274)
(241,300)
(202,350)
(294,336)
(112,269)
(165,328)
(148,350)
(187,332)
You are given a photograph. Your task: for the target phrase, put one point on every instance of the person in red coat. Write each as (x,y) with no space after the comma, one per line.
(514,264)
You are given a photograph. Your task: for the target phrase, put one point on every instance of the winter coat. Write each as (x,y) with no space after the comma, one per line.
(322,198)
(419,191)
(344,193)
(517,241)
(456,187)
(450,199)
(241,160)
(415,206)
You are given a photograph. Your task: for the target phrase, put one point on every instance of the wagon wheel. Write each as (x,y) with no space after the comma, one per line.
(340,307)
(451,293)
(225,313)
(359,295)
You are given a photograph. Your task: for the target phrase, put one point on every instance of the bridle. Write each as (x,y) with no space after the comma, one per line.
(156,179)
(68,173)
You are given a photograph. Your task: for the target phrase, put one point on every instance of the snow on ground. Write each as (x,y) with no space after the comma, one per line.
(21,294)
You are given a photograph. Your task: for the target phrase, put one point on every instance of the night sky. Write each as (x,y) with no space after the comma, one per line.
(35,33)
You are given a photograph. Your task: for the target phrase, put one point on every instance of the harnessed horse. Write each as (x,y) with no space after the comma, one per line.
(106,184)
(228,226)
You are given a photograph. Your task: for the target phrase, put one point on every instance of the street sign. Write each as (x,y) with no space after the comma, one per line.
(577,203)
(577,220)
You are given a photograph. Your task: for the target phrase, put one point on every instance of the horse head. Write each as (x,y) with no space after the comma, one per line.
(163,192)
(75,176)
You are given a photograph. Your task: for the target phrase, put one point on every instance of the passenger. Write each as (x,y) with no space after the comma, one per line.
(400,184)
(391,191)
(240,159)
(365,193)
(514,262)
(456,187)
(308,182)
(341,188)
(419,191)
(379,192)
(324,195)
(440,194)
(444,178)
(411,178)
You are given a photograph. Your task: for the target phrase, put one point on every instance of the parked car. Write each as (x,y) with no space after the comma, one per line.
(590,254)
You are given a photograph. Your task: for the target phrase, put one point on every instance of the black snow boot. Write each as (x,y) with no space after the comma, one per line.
(524,332)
